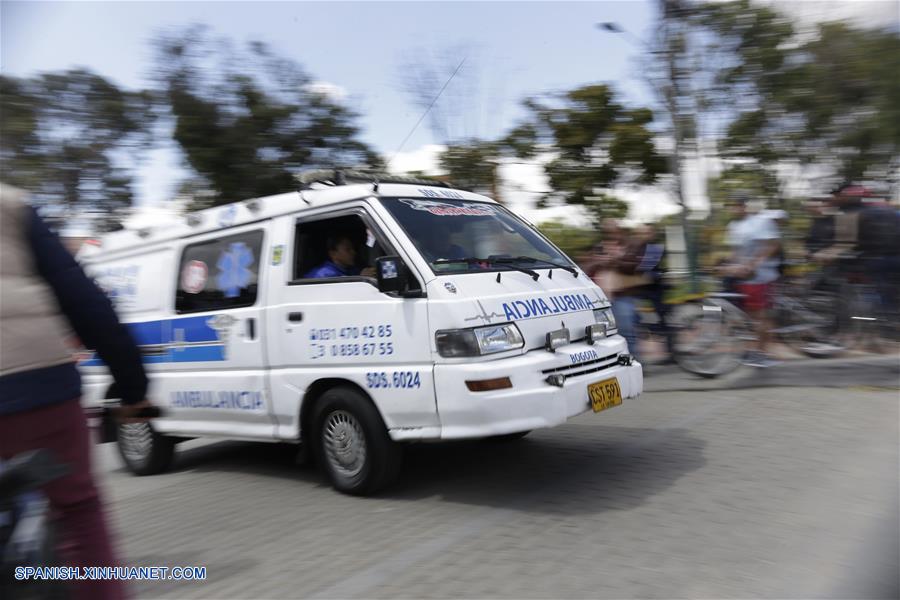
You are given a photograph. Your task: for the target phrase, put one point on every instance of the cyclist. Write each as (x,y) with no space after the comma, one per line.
(44,294)
(754,241)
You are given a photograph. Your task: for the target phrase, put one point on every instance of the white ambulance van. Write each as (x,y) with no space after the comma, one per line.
(448,317)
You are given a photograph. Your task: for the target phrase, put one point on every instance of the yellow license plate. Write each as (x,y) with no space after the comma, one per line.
(605,394)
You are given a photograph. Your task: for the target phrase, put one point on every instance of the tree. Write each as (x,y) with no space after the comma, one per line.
(249,121)
(574,241)
(71,139)
(472,165)
(825,96)
(597,142)
(844,89)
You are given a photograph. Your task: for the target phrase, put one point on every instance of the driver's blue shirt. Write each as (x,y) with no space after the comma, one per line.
(330,269)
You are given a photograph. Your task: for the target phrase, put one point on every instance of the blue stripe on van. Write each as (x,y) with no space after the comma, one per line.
(196,329)
(149,332)
(197,354)
(163,333)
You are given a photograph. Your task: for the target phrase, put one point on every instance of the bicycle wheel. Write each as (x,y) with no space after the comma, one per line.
(710,338)
(811,325)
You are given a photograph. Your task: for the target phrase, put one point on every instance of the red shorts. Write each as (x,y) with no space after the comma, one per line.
(757,296)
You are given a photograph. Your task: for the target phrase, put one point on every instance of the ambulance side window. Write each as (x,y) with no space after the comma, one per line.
(219,274)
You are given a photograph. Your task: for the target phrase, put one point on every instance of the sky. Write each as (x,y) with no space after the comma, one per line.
(513,49)
(358,51)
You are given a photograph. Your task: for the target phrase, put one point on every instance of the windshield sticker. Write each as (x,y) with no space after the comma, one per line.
(277,254)
(193,276)
(442,209)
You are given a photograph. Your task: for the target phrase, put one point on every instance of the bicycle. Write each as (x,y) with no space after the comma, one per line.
(27,534)
(712,333)
(865,315)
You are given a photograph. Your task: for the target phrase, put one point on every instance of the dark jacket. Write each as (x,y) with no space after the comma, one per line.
(87,310)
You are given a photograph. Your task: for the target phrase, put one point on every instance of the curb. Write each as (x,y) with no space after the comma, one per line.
(872,371)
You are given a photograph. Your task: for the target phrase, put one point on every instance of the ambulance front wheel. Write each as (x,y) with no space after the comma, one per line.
(145,451)
(353,444)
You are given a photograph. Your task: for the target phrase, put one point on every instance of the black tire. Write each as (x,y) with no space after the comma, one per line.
(144,450)
(352,443)
(509,437)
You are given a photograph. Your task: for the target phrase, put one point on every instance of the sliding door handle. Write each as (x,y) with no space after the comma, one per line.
(295,317)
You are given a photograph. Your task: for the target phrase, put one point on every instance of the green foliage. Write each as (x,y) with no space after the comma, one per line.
(67,138)
(472,165)
(248,122)
(574,241)
(598,142)
(827,97)
(605,206)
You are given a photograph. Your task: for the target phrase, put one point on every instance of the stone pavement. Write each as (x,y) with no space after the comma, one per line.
(789,493)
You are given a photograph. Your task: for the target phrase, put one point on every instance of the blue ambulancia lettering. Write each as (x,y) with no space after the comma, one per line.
(539,307)
(220,400)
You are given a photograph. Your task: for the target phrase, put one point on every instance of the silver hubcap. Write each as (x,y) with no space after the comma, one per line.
(136,440)
(345,443)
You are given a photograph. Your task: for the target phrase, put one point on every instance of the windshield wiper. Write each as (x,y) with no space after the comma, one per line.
(491,260)
(531,259)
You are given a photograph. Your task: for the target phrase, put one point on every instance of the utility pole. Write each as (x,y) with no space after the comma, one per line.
(669,94)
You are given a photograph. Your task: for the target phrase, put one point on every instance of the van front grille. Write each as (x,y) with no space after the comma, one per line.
(586,367)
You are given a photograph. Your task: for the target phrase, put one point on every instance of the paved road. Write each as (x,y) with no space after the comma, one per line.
(771,493)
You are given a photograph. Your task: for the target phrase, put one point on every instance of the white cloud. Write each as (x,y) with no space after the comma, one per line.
(864,13)
(424,160)
(333,92)
(156,215)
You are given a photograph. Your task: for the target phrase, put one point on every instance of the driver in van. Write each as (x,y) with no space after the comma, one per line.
(341,260)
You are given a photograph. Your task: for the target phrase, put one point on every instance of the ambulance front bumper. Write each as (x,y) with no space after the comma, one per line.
(547,389)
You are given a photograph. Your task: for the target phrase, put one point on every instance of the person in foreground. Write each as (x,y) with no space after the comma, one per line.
(44,296)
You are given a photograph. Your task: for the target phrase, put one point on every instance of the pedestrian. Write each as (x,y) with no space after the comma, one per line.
(614,267)
(44,295)
(652,264)
(821,227)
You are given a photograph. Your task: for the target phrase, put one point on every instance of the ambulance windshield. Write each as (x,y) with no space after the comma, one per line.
(457,236)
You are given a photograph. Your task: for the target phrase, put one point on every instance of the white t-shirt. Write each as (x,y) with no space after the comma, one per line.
(746,238)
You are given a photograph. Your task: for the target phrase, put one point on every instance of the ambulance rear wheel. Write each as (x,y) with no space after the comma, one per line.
(353,445)
(144,451)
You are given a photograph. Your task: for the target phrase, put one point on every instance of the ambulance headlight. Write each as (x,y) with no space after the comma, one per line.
(605,318)
(454,343)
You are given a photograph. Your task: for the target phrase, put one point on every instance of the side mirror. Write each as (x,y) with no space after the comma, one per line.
(391,274)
